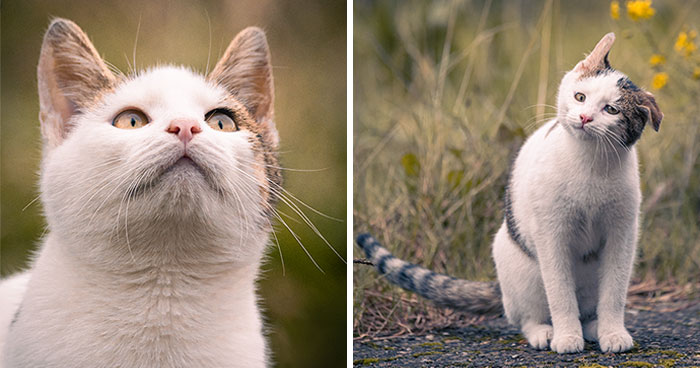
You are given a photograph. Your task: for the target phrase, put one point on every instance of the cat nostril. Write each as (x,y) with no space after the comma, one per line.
(184,129)
(585,119)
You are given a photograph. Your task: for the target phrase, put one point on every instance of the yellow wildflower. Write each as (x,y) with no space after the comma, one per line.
(696,73)
(681,41)
(640,9)
(615,10)
(659,80)
(657,59)
(685,43)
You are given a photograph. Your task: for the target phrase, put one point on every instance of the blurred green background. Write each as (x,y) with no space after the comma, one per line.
(445,92)
(305,309)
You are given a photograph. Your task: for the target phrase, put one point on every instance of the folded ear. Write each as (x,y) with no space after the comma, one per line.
(598,58)
(245,71)
(654,114)
(71,76)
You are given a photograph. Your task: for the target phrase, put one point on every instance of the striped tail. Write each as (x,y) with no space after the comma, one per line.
(472,296)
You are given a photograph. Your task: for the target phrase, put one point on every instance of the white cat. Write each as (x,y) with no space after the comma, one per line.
(565,250)
(158,191)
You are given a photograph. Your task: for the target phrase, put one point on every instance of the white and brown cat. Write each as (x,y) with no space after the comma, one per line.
(565,250)
(158,190)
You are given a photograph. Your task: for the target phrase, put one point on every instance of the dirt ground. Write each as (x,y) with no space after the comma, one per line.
(665,334)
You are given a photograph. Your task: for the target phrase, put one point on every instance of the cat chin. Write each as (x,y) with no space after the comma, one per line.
(580,133)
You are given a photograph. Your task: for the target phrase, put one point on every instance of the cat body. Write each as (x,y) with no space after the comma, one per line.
(565,250)
(158,191)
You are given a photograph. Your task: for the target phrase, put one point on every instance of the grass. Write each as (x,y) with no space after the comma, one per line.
(444,95)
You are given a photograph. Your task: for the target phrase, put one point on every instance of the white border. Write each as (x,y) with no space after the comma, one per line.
(349,185)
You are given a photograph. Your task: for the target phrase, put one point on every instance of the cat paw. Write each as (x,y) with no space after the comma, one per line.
(538,336)
(615,342)
(567,344)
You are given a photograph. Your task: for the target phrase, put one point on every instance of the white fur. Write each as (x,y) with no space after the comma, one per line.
(572,190)
(163,279)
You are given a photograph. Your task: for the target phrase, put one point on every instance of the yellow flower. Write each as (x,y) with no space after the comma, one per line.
(659,80)
(696,73)
(640,9)
(657,59)
(685,43)
(681,41)
(615,10)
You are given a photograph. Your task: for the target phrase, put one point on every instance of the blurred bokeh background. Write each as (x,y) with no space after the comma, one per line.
(445,92)
(305,308)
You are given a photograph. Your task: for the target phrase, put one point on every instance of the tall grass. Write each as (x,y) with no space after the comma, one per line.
(446,92)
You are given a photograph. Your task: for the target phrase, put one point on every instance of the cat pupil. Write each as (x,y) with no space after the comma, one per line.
(133,122)
(221,125)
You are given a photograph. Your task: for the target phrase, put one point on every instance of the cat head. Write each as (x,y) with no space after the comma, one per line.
(596,101)
(159,151)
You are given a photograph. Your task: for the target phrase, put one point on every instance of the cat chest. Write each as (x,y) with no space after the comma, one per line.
(579,215)
(166,321)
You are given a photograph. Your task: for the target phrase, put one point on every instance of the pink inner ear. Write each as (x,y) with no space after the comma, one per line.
(597,56)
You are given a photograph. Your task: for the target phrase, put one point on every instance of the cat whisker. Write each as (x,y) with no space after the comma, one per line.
(206,13)
(136,41)
(284,199)
(31,202)
(132,186)
(279,248)
(114,69)
(296,237)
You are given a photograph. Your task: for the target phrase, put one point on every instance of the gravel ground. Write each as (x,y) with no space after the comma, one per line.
(664,337)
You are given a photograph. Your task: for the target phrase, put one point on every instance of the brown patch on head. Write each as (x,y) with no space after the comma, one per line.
(637,108)
(71,77)
(250,99)
(597,61)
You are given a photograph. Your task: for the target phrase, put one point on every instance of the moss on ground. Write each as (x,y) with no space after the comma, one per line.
(436,344)
(635,363)
(424,353)
(370,361)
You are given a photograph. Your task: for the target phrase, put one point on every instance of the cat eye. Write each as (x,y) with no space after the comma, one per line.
(222,120)
(611,110)
(580,97)
(130,119)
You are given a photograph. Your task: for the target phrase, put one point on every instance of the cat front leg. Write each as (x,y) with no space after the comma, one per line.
(558,276)
(616,266)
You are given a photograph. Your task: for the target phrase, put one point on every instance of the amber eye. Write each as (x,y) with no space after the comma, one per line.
(580,97)
(611,110)
(130,119)
(221,119)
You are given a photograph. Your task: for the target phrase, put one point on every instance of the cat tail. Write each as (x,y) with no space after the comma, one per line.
(476,297)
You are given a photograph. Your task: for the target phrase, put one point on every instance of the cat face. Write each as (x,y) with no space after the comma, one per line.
(162,151)
(598,103)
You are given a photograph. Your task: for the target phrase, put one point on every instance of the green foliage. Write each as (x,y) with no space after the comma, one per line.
(461,84)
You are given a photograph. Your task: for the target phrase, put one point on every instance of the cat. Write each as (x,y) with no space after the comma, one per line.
(158,191)
(565,250)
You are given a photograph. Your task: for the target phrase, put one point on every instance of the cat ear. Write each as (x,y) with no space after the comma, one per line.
(71,76)
(598,58)
(245,71)
(653,113)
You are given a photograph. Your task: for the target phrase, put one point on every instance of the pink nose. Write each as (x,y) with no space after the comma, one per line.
(585,119)
(185,129)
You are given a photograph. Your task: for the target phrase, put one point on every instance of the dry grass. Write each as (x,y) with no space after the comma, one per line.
(446,92)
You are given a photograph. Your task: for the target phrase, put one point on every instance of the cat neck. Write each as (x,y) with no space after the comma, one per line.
(207,251)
